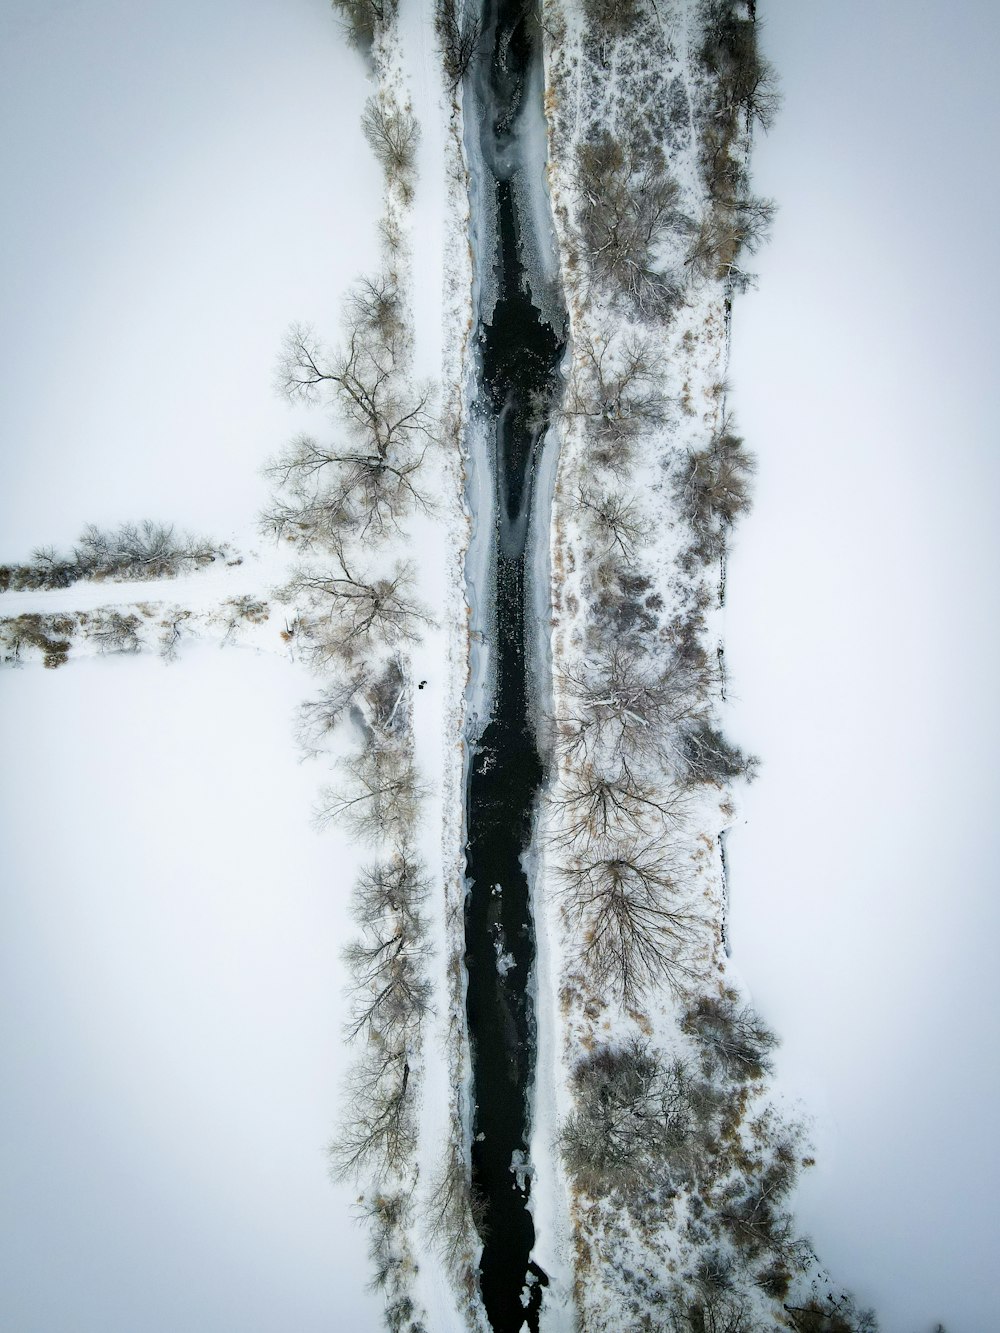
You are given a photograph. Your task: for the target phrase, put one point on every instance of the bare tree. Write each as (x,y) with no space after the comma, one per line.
(332,490)
(714,488)
(744,81)
(387,1214)
(705,755)
(749,1210)
(362,19)
(364,483)
(614,385)
(363,380)
(393,133)
(378,1134)
(730,227)
(378,310)
(632,1125)
(636,932)
(620,704)
(390,991)
(732,1038)
(597,804)
(396,888)
(615,520)
(460,39)
(612,18)
(628,205)
(378,797)
(354,612)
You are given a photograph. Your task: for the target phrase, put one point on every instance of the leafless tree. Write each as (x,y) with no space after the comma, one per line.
(750,1208)
(114,632)
(612,18)
(837,1314)
(705,755)
(327,491)
(363,380)
(459,38)
(598,804)
(732,1038)
(174,625)
(620,704)
(614,385)
(378,310)
(319,717)
(362,19)
(395,888)
(365,482)
(393,133)
(615,520)
(744,82)
(730,228)
(714,488)
(354,612)
(632,1125)
(636,931)
(378,797)
(378,1134)
(451,1206)
(628,206)
(390,991)
(387,1213)
(715,1312)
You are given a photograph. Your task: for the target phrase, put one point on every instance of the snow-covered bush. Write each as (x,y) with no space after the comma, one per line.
(49,635)
(145,550)
(628,204)
(632,1124)
(733,1040)
(363,19)
(392,132)
(714,490)
(378,795)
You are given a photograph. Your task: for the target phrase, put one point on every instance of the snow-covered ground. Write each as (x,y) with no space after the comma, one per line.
(172,1004)
(184,182)
(861,629)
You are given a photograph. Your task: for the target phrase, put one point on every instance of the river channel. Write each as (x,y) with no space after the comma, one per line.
(518,354)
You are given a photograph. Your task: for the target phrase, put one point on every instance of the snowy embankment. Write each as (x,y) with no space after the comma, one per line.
(649,108)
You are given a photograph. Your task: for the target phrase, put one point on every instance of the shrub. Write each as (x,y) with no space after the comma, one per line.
(392,133)
(628,205)
(145,550)
(362,19)
(632,1123)
(714,489)
(706,756)
(732,1038)
(459,41)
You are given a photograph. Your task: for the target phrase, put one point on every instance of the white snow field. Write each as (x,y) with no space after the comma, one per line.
(862,635)
(182,183)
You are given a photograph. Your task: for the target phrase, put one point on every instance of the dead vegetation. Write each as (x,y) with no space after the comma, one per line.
(133,551)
